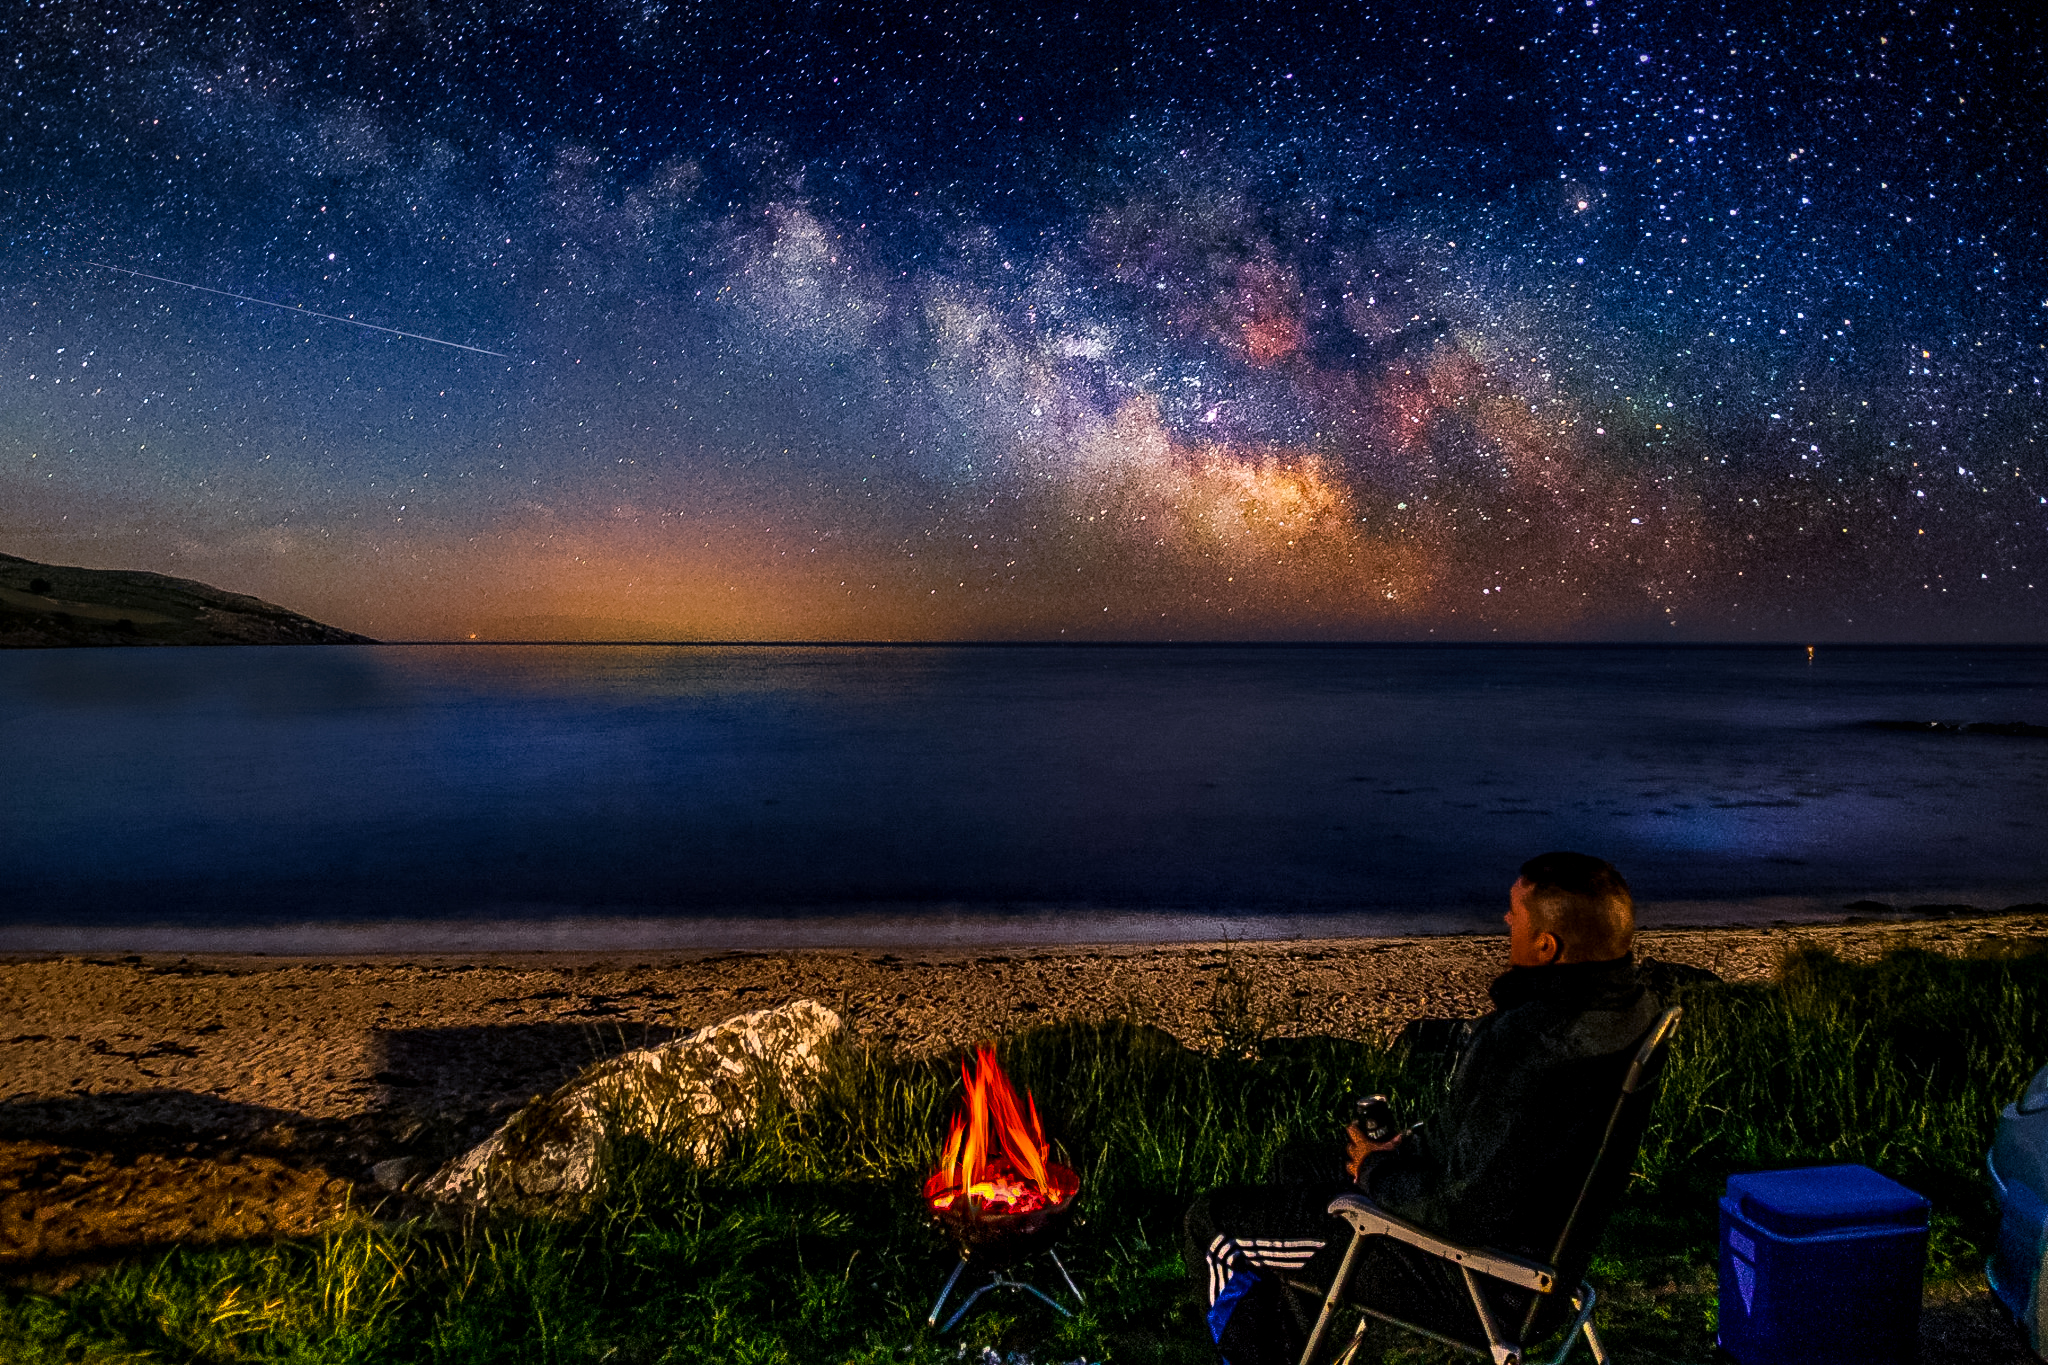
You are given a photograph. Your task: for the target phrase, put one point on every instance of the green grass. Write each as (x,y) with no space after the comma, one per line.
(805,1244)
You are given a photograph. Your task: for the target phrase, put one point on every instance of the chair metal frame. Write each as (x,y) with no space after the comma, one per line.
(1574,1244)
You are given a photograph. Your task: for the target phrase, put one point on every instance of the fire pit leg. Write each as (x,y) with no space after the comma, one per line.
(998,1280)
(951,1280)
(961,1311)
(1072,1288)
(1061,1308)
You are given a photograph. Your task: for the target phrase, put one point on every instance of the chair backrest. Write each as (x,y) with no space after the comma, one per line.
(1608,1177)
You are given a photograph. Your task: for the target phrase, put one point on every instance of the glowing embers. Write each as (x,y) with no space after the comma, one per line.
(997,1188)
(996,1159)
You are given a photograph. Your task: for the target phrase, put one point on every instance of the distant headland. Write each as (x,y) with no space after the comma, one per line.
(51,606)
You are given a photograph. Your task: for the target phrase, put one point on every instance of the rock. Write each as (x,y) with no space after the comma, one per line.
(689,1093)
(396,1173)
(1667,978)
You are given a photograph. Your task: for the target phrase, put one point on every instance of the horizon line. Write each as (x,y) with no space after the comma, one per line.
(1041,642)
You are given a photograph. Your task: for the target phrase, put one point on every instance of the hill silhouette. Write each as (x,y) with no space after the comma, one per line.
(53,606)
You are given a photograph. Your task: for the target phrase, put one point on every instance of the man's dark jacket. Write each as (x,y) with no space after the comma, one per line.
(1501,1161)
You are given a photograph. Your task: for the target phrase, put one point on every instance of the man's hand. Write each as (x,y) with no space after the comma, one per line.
(1357,1147)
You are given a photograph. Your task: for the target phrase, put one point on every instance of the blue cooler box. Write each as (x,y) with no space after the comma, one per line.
(1820,1266)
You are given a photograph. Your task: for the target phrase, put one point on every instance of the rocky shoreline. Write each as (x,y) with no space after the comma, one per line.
(188,1099)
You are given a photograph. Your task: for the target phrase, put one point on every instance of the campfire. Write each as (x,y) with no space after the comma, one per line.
(997,1189)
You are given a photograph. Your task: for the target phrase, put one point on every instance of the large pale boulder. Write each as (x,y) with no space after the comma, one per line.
(689,1093)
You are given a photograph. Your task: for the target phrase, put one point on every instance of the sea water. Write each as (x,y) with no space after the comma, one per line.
(465,797)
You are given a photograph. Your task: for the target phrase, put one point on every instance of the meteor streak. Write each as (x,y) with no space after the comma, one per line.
(302,312)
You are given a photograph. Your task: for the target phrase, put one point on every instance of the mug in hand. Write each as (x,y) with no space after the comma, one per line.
(1375,1118)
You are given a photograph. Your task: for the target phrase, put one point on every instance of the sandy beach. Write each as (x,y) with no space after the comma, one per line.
(153,1100)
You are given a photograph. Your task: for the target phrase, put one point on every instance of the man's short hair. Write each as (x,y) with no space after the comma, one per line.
(1584,902)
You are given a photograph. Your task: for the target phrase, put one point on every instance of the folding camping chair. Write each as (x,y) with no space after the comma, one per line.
(1552,1299)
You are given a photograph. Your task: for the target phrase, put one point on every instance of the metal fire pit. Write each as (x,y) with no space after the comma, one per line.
(995,1239)
(995,1145)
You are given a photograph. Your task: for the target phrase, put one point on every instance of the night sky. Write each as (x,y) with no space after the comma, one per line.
(1438,321)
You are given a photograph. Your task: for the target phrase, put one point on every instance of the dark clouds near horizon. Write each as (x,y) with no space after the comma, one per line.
(1583,320)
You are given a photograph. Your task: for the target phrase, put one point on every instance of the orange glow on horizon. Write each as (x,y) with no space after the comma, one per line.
(1437,497)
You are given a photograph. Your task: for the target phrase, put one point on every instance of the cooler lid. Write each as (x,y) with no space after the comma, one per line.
(1823,1199)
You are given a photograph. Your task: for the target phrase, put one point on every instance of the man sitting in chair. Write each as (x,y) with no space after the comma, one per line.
(1499,1164)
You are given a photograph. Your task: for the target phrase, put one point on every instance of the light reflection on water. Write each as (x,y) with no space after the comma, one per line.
(244,785)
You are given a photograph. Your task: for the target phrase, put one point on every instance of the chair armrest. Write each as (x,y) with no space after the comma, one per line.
(1369,1219)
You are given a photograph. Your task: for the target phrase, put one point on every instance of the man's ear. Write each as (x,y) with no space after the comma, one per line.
(1550,948)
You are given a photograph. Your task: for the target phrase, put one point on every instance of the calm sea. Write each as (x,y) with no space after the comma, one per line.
(476,796)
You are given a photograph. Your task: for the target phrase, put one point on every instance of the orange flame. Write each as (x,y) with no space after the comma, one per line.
(996,1153)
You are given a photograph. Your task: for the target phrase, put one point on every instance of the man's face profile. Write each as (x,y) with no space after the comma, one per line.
(1528,946)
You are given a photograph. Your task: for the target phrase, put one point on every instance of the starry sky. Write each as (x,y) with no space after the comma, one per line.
(964,321)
